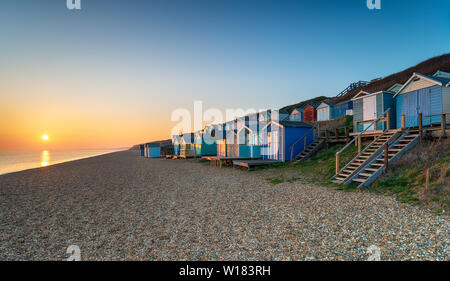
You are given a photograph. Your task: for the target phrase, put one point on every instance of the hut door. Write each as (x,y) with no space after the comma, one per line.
(424,106)
(410,109)
(369,111)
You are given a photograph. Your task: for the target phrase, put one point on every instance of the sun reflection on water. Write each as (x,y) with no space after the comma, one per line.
(45,158)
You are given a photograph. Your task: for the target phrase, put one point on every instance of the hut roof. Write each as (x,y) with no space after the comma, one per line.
(295,124)
(313,102)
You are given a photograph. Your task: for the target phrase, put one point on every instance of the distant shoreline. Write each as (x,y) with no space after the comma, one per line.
(65,161)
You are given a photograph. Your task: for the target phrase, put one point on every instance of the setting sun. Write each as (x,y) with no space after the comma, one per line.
(45,137)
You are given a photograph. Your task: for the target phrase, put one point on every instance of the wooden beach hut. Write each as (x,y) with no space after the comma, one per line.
(187,148)
(205,142)
(221,142)
(153,150)
(142,150)
(324,111)
(176,142)
(248,136)
(342,108)
(426,95)
(232,144)
(310,112)
(281,141)
(370,106)
(296,114)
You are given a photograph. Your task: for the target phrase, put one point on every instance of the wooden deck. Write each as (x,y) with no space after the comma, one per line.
(224,161)
(249,164)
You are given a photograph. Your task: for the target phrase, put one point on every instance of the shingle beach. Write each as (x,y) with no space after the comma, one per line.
(123,207)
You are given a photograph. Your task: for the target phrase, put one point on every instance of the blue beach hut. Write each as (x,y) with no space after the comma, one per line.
(142,150)
(428,95)
(280,137)
(370,106)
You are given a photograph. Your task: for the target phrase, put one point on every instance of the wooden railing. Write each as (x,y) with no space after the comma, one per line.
(443,120)
(420,122)
(358,137)
(337,135)
(383,119)
(304,138)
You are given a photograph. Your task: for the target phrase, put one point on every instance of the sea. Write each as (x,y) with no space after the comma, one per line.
(19,161)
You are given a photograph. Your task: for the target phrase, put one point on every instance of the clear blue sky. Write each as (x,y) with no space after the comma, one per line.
(155,56)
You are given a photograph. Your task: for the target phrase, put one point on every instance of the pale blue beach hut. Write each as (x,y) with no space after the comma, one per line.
(426,95)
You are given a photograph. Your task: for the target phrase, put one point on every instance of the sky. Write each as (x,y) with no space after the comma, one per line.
(111,74)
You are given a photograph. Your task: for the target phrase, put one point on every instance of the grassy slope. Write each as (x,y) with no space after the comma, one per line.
(405,180)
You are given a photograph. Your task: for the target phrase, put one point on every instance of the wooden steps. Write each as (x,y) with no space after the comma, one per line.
(367,175)
(357,164)
(309,151)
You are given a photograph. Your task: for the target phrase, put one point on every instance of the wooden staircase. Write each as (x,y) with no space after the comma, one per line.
(309,151)
(372,151)
(372,170)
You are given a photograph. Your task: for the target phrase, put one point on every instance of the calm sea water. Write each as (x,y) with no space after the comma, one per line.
(18,161)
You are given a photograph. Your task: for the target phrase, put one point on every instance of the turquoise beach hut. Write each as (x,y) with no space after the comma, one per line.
(153,150)
(205,143)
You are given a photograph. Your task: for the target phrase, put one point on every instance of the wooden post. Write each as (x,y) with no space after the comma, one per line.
(420,126)
(326,135)
(388,123)
(375,126)
(359,144)
(336,132)
(386,155)
(427,176)
(403,121)
(443,121)
(347,134)
(337,163)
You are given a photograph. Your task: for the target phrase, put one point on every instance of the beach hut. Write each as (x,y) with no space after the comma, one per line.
(280,137)
(279,115)
(296,114)
(187,148)
(324,111)
(153,150)
(205,142)
(342,108)
(428,95)
(176,142)
(231,139)
(310,112)
(370,106)
(142,150)
(221,139)
(248,136)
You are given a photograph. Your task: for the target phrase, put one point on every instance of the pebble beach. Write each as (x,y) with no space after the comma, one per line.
(120,206)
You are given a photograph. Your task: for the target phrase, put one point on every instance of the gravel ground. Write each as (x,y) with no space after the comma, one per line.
(124,207)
